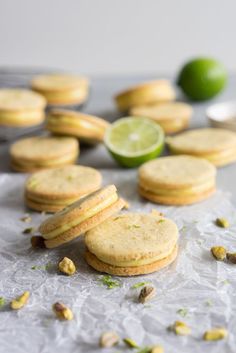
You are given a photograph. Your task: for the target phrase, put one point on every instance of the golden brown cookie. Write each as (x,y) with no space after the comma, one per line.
(216,145)
(177,180)
(171,116)
(132,244)
(86,127)
(62,89)
(53,189)
(145,93)
(100,266)
(21,107)
(42,152)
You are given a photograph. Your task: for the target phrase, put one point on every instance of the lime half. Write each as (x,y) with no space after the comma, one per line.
(133,141)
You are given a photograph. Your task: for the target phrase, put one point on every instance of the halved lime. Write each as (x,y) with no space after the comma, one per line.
(133,141)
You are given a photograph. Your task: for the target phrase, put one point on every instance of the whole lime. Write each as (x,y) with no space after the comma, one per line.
(202,78)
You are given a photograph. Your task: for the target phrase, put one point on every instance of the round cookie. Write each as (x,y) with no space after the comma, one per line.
(86,127)
(81,216)
(177,180)
(21,107)
(100,266)
(61,89)
(172,116)
(176,200)
(140,243)
(42,152)
(53,189)
(145,93)
(216,145)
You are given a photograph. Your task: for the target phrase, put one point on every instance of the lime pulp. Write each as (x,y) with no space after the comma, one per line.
(133,141)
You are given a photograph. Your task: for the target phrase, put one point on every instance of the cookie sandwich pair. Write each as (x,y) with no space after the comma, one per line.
(21,108)
(87,128)
(216,145)
(177,180)
(61,89)
(124,244)
(43,152)
(53,189)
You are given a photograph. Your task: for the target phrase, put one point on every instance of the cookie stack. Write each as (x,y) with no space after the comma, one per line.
(35,153)
(132,244)
(62,89)
(21,108)
(177,180)
(87,128)
(216,145)
(53,189)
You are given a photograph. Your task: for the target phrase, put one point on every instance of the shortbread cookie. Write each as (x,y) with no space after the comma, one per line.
(140,243)
(21,107)
(177,180)
(81,216)
(53,189)
(62,89)
(100,266)
(172,116)
(216,145)
(145,93)
(42,152)
(86,127)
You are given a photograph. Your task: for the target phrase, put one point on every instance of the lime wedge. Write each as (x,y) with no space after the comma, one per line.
(133,141)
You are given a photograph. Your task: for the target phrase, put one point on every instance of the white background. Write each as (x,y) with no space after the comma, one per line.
(116,36)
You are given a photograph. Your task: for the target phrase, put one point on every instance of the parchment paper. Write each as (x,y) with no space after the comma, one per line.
(205,287)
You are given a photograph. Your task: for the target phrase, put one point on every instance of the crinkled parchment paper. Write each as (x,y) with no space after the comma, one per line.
(205,287)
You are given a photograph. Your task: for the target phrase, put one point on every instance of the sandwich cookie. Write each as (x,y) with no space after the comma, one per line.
(81,216)
(132,244)
(146,93)
(42,152)
(172,116)
(177,180)
(216,145)
(21,108)
(62,89)
(53,189)
(86,127)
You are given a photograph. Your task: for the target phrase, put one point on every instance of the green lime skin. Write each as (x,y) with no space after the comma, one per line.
(202,78)
(133,162)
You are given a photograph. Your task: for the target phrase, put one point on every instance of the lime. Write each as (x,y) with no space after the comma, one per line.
(133,141)
(202,78)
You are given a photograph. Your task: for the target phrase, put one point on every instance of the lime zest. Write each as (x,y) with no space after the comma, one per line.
(139,284)
(110,283)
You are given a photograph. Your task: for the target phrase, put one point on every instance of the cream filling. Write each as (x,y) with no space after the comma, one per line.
(47,163)
(135,263)
(189,191)
(88,214)
(79,123)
